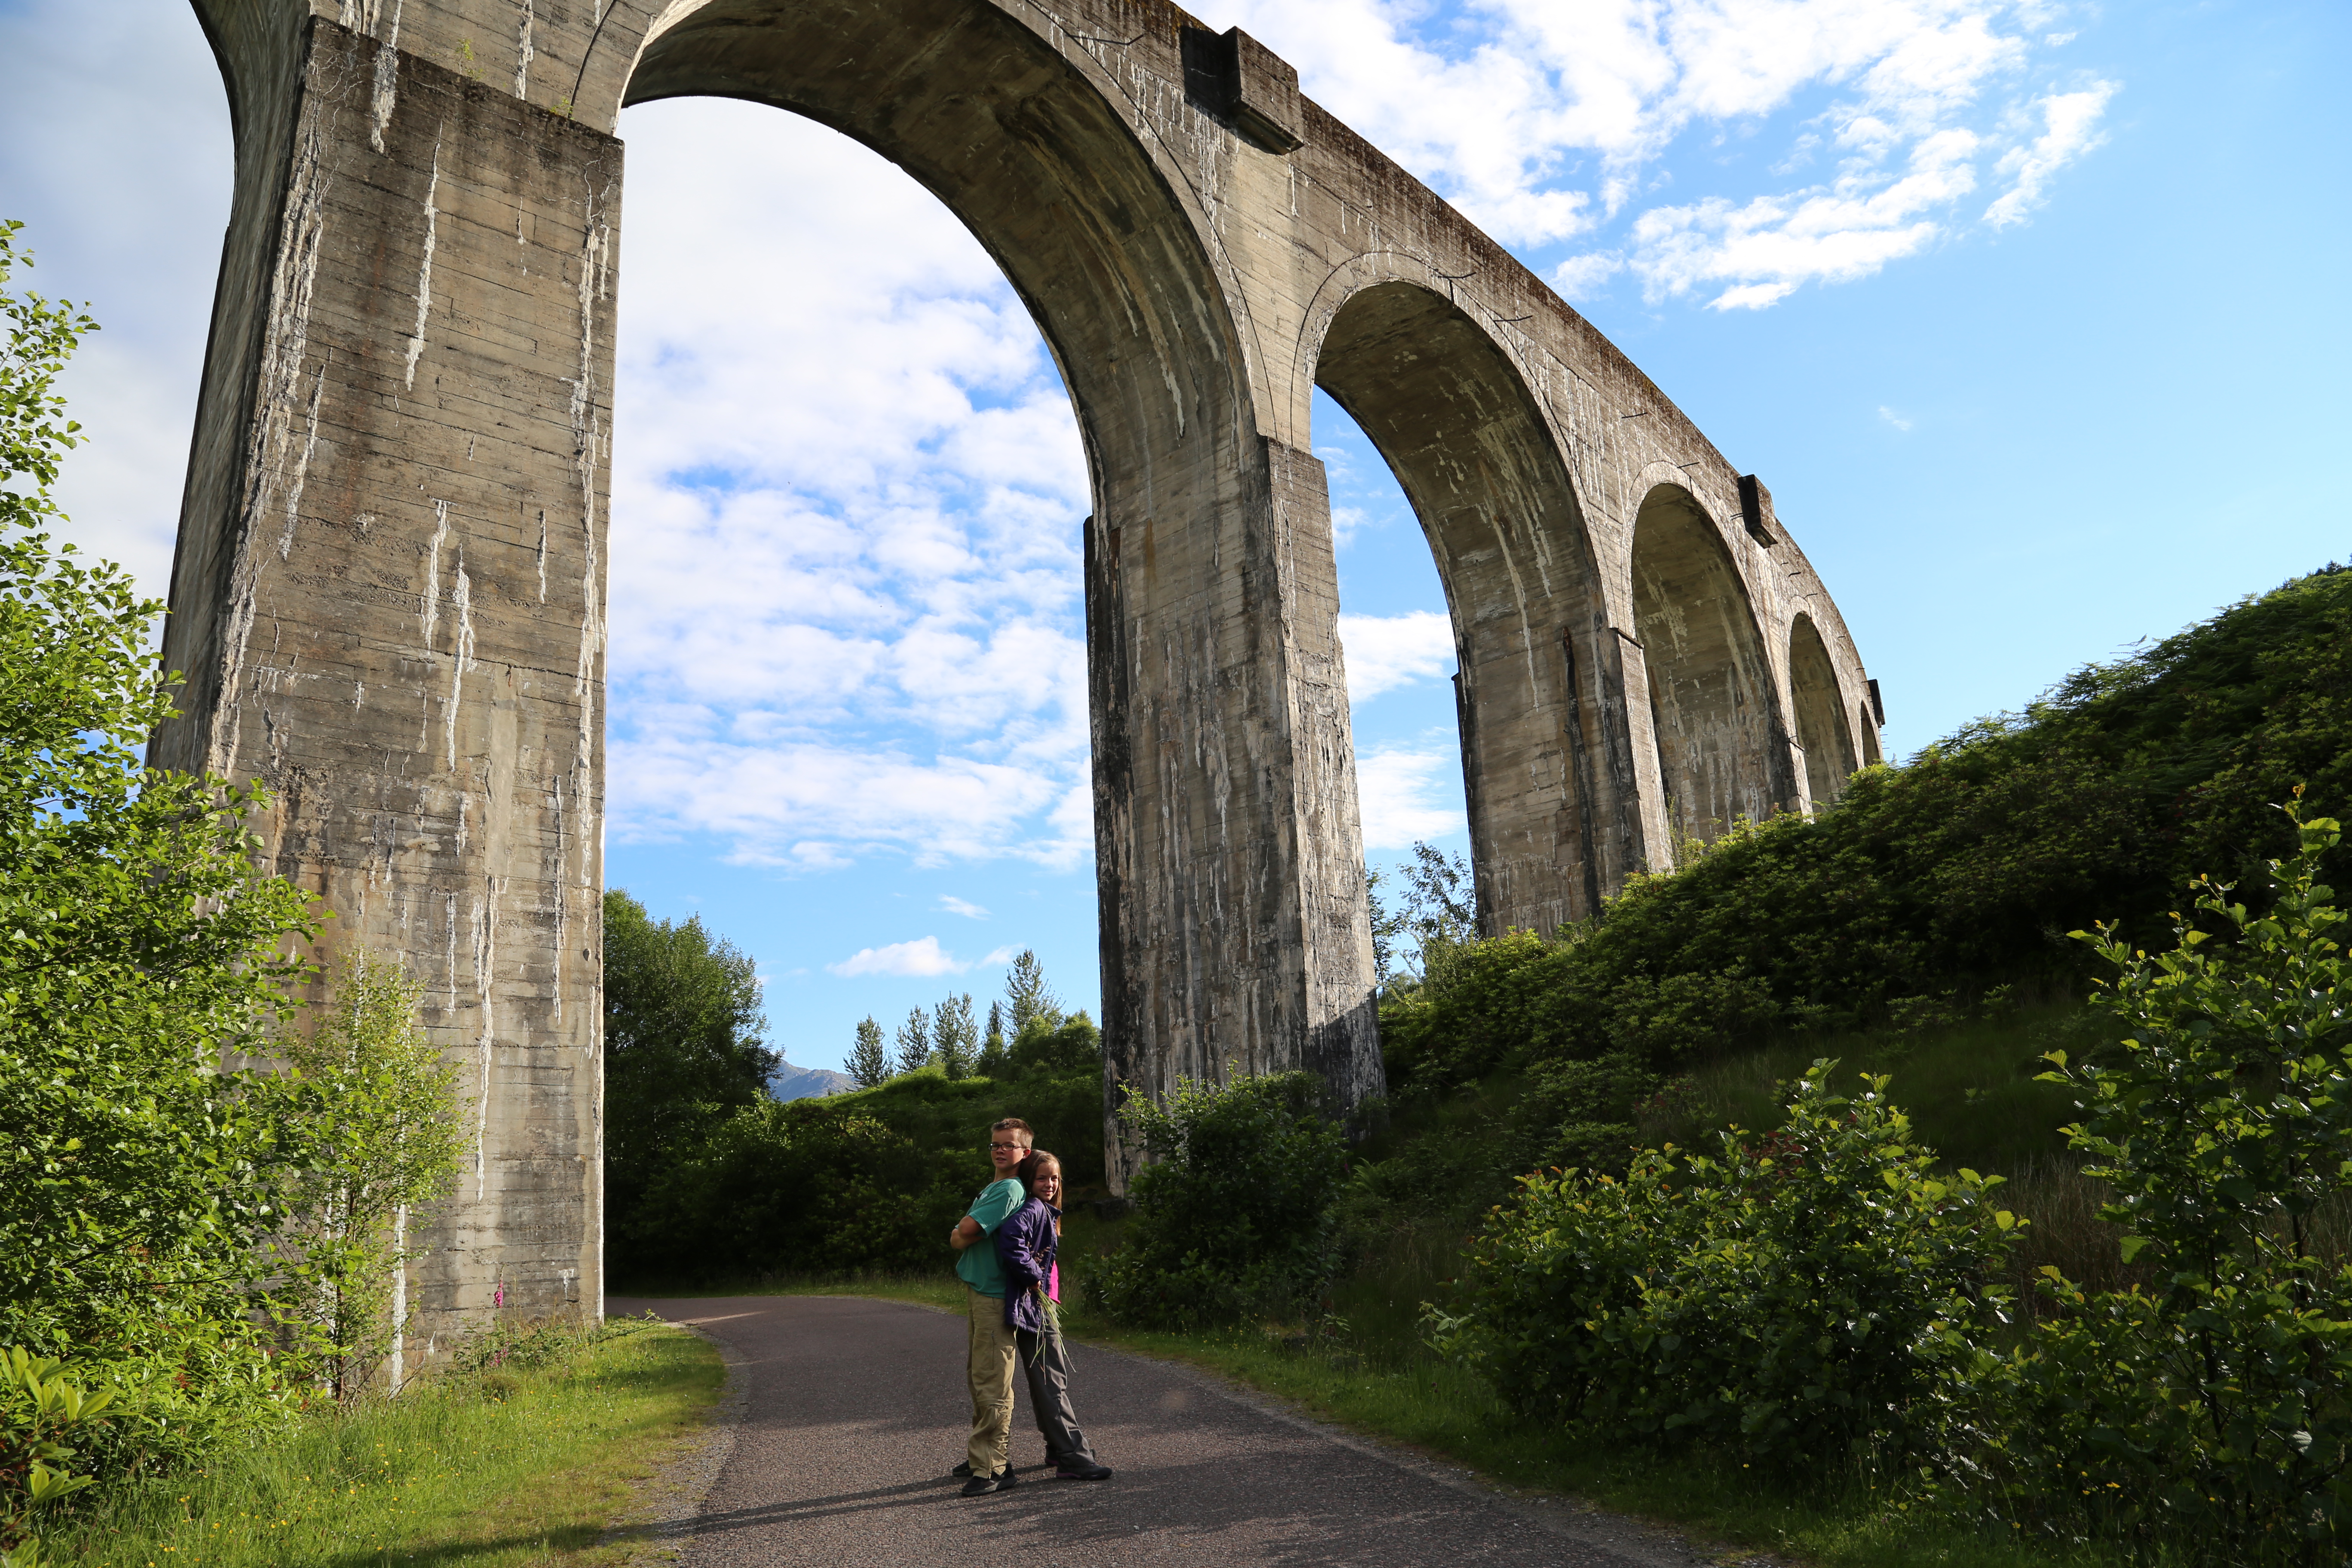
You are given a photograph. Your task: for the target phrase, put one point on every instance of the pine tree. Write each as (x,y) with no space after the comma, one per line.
(1027,997)
(992,1059)
(915,1041)
(869,1064)
(956,1035)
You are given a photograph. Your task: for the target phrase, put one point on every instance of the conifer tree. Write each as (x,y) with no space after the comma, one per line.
(993,1058)
(1026,995)
(955,1034)
(869,1064)
(915,1041)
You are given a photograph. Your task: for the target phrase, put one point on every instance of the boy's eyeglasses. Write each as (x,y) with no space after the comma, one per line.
(996,1146)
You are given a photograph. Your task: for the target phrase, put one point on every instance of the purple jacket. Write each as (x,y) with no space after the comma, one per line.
(1024,1245)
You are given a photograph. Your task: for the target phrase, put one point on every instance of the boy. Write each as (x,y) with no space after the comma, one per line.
(994,1350)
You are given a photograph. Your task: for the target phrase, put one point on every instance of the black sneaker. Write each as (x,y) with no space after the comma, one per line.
(1007,1479)
(980,1486)
(1080,1470)
(963,1468)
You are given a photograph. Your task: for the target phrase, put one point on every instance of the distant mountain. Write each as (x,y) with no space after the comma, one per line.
(789,1083)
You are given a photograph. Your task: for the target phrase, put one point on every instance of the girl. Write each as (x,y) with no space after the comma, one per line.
(1027,1243)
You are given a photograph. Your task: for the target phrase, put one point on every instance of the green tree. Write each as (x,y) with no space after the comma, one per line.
(914,1041)
(993,1058)
(1027,997)
(140,1178)
(956,1036)
(869,1064)
(392,1144)
(1237,1208)
(682,1041)
(2210,1406)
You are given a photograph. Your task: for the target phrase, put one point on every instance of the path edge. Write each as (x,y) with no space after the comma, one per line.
(669,1503)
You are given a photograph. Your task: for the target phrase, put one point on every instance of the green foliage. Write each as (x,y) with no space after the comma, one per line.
(682,1042)
(867,1182)
(141,1181)
(2210,1409)
(914,1042)
(1050,1043)
(1027,997)
(868,1064)
(955,1037)
(1237,1214)
(1930,886)
(393,1143)
(39,1409)
(1790,1299)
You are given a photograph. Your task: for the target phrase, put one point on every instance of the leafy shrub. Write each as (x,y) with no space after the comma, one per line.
(859,1183)
(389,1142)
(1054,1043)
(2210,1408)
(799,1188)
(40,1408)
(1236,1213)
(1931,885)
(1796,1296)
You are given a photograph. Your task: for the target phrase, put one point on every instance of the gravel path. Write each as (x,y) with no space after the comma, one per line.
(851,1410)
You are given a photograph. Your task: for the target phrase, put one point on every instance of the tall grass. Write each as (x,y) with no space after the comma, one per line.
(505,1466)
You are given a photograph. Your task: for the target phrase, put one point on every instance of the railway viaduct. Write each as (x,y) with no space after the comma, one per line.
(389,593)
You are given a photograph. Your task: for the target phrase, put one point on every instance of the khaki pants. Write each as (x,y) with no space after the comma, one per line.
(994,1354)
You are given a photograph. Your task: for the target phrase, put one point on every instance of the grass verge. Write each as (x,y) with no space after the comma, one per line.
(520,1465)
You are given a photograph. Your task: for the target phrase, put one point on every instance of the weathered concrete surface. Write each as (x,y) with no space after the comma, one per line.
(390,596)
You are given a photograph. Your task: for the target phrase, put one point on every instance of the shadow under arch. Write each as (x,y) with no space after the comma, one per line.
(1821,732)
(1722,745)
(1547,766)
(1229,861)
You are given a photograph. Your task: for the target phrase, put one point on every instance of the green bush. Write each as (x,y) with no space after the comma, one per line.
(867,1182)
(1794,1297)
(1930,886)
(39,1409)
(2209,1410)
(1236,1211)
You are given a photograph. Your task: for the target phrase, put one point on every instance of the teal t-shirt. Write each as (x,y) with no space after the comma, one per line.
(977,1265)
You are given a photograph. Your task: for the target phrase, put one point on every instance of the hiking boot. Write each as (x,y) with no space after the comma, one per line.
(962,1468)
(980,1486)
(1080,1470)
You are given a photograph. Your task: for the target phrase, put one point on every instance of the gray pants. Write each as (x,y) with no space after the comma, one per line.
(1046,1363)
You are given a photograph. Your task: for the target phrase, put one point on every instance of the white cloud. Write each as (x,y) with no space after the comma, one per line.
(847,492)
(1765,248)
(1404,792)
(1546,121)
(1898,420)
(923,956)
(2071,121)
(1385,652)
(1581,277)
(955,906)
(117,156)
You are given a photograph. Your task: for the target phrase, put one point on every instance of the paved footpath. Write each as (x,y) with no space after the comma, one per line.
(851,1411)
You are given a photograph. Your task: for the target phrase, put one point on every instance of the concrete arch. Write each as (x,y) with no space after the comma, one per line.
(389,593)
(1025,145)
(1819,708)
(1547,768)
(1030,140)
(1722,751)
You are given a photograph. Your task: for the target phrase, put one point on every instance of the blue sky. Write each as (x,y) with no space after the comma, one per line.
(2031,316)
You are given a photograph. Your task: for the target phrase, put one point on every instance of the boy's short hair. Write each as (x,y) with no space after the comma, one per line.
(1016,1125)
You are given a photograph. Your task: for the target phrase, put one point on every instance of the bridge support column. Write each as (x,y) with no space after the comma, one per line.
(389,594)
(1235,936)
